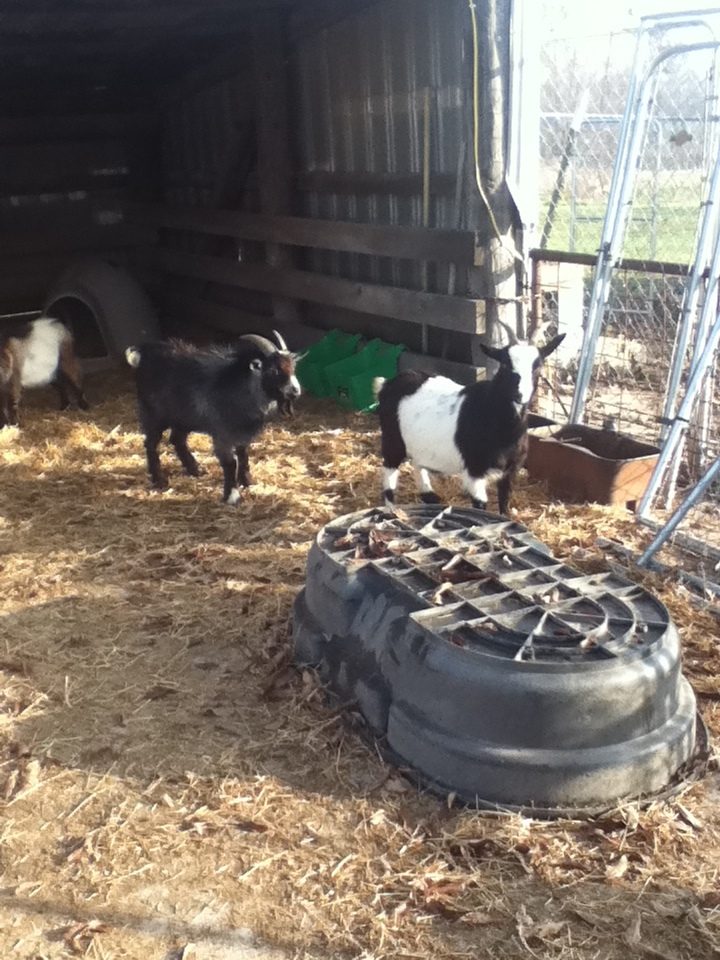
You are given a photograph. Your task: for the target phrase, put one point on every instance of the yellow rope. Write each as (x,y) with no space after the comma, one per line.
(476,147)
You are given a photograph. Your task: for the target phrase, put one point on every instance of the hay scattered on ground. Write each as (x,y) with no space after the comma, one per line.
(172,787)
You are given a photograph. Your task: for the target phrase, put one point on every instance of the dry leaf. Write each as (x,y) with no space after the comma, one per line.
(549,929)
(10,785)
(437,597)
(31,774)
(160,690)
(617,869)
(689,817)
(529,929)
(633,938)
(397,785)
(477,918)
(79,936)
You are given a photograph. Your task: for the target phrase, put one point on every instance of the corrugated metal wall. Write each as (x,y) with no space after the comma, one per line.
(367,93)
(362,106)
(204,130)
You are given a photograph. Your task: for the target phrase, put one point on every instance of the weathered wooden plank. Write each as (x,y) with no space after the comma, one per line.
(463,373)
(590,259)
(362,183)
(51,129)
(79,237)
(274,169)
(220,317)
(436,309)
(211,314)
(385,240)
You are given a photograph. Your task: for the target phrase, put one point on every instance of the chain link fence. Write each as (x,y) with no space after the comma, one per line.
(584,86)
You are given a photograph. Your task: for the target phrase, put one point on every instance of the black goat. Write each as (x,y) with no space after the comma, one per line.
(34,353)
(225,392)
(478,431)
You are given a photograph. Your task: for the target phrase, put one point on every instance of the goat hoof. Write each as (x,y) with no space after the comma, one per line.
(233,498)
(480,504)
(196,471)
(83,405)
(430,497)
(159,483)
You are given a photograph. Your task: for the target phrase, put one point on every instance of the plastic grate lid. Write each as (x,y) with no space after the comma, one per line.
(492,588)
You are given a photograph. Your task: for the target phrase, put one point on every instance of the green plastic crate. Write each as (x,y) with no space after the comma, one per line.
(351,379)
(333,347)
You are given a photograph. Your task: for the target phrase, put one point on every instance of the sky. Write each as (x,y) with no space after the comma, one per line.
(588,17)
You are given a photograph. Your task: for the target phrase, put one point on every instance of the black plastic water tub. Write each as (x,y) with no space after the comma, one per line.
(491,668)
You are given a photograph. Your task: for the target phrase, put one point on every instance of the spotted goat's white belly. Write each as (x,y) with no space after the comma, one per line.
(40,352)
(428,421)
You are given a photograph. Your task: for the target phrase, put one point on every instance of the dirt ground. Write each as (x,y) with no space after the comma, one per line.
(171,788)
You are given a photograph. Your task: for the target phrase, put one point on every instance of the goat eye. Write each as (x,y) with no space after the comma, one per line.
(256,365)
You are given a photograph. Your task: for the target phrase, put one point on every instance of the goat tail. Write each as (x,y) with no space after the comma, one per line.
(377,386)
(132,355)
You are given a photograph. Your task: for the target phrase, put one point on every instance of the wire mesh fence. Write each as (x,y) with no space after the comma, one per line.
(583,95)
(585,84)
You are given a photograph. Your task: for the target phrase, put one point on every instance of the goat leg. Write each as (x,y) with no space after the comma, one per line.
(70,377)
(476,487)
(60,384)
(229,463)
(243,466)
(178,438)
(427,494)
(12,401)
(504,489)
(157,477)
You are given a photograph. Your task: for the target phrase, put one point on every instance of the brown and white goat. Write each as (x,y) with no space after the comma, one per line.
(34,353)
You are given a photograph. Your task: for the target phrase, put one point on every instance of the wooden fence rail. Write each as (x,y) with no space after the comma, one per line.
(414,243)
(436,309)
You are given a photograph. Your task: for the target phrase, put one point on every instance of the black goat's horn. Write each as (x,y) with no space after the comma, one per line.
(262,343)
(280,342)
(512,336)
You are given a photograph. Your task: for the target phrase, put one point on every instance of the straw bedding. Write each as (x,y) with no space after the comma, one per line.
(172,788)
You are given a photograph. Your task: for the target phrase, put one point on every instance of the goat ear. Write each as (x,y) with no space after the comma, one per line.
(495,352)
(551,345)
(256,365)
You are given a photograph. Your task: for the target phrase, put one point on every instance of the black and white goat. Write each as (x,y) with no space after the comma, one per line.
(478,431)
(225,392)
(34,353)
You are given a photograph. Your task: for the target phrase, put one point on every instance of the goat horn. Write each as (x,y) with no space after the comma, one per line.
(512,336)
(538,333)
(280,342)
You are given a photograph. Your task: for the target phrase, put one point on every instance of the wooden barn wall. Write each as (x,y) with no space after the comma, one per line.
(377,99)
(64,186)
(380,97)
(365,88)
(208,158)
(207,142)
(375,95)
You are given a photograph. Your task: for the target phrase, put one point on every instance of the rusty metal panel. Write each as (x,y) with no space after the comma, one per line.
(366,85)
